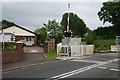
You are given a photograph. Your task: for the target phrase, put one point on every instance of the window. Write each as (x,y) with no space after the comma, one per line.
(12,38)
(22,38)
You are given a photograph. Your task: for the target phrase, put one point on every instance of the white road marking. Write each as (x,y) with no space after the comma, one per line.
(102,67)
(109,69)
(88,61)
(64,75)
(115,69)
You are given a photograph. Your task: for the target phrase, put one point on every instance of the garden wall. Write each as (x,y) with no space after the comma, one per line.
(9,56)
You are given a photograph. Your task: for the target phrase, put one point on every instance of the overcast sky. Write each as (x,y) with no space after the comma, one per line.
(32,15)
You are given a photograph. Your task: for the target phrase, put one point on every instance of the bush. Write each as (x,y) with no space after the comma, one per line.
(62,50)
(10,47)
(103,44)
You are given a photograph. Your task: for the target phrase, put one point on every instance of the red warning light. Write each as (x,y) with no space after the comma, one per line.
(68,34)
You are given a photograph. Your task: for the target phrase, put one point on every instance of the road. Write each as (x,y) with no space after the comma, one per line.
(95,66)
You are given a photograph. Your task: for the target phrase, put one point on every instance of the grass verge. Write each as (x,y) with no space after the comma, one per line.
(51,55)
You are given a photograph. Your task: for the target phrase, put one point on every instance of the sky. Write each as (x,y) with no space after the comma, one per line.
(32,15)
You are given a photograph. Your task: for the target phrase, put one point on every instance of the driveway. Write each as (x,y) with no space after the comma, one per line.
(33,49)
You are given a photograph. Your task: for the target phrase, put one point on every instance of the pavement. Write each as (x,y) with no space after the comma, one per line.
(94,66)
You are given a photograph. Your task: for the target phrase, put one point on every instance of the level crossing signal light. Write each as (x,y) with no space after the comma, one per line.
(68,34)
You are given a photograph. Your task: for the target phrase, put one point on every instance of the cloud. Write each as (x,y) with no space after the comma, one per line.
(54,0)
(32,15)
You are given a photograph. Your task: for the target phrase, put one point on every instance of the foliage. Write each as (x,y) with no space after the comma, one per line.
(110,12)
(10,47)
(5,23)
(77,25)
(51,55)
(58,37)
(103,44)
(54,30)
(76,36)
(62,50)
(90,37)
(105,32)
(42,33)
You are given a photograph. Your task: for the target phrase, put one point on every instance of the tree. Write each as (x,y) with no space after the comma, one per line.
(110,12)
(77,25)
(42,33)
(5,23)
(105,32)
(53,28)
(90,37)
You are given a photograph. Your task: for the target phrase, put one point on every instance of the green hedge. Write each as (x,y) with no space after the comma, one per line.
(10,47)
(103,44)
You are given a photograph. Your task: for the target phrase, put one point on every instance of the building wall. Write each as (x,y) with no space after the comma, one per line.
(28,40)
(82,50)
(9,56)
(21,33)
(6,37)
(18,38)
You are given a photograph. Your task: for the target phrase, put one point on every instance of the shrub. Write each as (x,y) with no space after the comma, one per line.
(10,47)
(103,44)
(62,50)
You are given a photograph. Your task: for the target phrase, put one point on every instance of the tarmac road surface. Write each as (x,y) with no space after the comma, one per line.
(95,66)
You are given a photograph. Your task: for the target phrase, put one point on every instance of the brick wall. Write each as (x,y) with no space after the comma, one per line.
(9,56)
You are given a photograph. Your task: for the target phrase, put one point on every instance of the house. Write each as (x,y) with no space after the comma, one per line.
(7,37)
(21,34)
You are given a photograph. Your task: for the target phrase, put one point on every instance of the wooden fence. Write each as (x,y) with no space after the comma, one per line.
(49,45)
